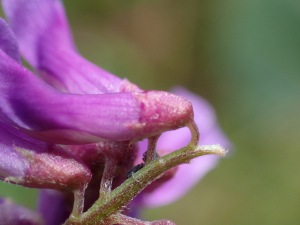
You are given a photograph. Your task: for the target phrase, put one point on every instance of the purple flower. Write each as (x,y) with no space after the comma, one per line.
(49,115)
(25,160)
(100,106)
(94,113)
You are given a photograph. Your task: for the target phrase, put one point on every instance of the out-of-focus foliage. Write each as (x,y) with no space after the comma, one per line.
(244,57)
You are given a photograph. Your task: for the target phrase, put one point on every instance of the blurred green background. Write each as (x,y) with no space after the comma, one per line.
(244,57)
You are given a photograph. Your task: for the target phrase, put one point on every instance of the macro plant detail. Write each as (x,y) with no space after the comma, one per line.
(77,128)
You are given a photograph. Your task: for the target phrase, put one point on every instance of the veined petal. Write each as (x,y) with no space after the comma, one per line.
(13,214)
(32,163)
(188,175)
(45,40)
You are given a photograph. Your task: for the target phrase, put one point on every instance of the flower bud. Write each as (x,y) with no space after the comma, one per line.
(32,163)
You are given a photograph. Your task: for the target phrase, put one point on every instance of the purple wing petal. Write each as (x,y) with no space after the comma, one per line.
(32,163)
(53,207)
(187,175)
(12,214)
(45,40)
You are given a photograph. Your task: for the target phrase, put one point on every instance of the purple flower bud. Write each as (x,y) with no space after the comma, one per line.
(12,214)
(32,163)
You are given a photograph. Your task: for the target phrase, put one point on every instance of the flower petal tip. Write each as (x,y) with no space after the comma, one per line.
(161,111)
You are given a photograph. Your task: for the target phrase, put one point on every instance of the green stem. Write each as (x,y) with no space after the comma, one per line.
(102,211)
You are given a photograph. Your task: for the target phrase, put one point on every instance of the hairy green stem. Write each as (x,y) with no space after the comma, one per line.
(104,211)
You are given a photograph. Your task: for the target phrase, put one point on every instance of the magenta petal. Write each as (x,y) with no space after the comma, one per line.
(45,40)
(188,175)
(8,42)
(13,214)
